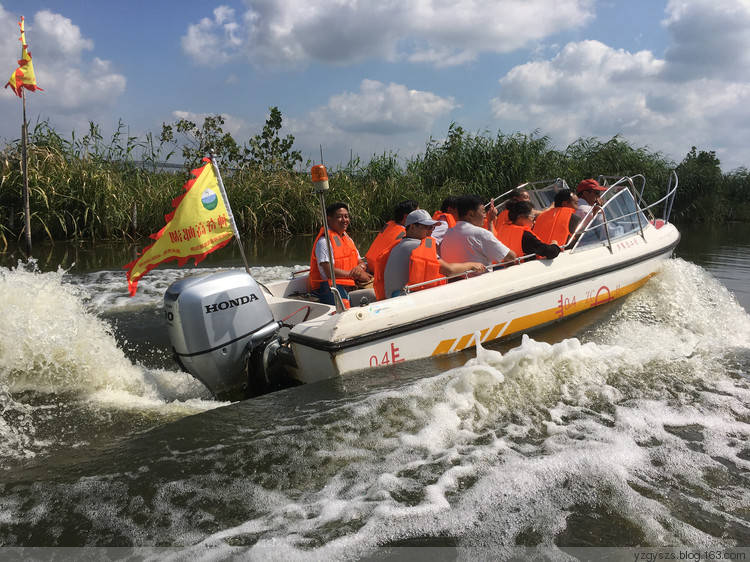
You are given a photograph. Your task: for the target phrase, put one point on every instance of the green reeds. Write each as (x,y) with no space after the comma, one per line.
(88,188)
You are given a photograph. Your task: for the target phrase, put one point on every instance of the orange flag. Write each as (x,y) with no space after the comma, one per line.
(24,76)
(199,225)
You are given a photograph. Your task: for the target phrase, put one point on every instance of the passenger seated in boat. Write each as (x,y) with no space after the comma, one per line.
(390,234)
(347,263)
(468,241)
(415,259)
(518,194)
(556,225)
(519,237)
(447,216)
(589,192)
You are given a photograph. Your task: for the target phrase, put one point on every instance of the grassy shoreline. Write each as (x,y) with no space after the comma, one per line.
(87,189)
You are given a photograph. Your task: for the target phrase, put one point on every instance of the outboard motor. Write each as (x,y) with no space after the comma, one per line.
(216,323)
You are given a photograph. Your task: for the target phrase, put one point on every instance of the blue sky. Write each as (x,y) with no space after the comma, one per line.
(386,76)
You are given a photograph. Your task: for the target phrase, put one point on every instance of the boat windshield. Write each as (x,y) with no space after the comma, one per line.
(621,217)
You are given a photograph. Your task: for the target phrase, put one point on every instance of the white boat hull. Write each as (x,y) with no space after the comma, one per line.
(500,304)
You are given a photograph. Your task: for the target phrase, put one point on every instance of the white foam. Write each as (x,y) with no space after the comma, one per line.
(56,345)
(629,422)
(541,430)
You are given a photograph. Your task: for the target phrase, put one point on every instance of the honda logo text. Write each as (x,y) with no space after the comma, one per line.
(231,303)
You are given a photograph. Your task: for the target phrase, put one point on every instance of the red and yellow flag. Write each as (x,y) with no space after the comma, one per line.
(24,76)
(198,226)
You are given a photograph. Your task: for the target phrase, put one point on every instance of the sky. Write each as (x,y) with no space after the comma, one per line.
(370,77)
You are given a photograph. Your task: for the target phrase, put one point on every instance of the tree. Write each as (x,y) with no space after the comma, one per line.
(268,150)
(700,195)
(199,142)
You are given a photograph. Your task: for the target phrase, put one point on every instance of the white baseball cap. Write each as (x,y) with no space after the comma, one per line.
(420,216)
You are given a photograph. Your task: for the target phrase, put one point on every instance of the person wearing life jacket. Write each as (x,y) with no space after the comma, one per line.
(560,222)
(502,220)
(390,234)
(519,237)
(415,259)
(468,241)
(446,216)
(347,263)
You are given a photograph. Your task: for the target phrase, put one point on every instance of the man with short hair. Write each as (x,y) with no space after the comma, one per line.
(347,263)
(560,222)
(468,241)
(415,260)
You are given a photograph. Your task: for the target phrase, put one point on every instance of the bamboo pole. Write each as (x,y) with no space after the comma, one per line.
(24,168)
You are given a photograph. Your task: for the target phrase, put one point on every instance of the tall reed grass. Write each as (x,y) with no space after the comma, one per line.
(88,188)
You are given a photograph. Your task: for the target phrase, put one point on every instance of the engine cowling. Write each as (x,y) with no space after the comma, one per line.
(215,322)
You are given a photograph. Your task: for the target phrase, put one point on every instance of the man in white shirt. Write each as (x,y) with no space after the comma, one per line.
(419,225)
(468,241)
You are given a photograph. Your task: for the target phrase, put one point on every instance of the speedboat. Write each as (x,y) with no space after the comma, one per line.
(241,337)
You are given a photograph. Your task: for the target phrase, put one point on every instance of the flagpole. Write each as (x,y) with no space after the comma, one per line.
(229,212)
(24,168)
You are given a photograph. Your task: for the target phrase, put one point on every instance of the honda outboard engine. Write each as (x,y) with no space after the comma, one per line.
(215,323)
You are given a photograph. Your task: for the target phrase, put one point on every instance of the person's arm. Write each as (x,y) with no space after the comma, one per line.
(497,251)
(358,273)
(491,216)
(575,220)
(509,257)
(449,269)
(532,245)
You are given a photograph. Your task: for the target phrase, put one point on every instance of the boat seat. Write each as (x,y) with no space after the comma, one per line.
(304,297)
(362,297)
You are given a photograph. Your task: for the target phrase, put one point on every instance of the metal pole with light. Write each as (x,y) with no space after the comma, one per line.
(320,185)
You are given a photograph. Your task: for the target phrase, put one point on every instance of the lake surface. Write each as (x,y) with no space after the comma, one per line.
(625,426)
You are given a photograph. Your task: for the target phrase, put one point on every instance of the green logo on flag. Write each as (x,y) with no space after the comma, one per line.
(209,200)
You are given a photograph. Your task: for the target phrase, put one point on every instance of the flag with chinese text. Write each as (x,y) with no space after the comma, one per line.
(23,76)
(198,226)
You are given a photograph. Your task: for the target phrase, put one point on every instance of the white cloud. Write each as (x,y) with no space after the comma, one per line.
(212,40)
(83,88)
(438,32)
(709,39)
(378,117)
(688,98)
(62,40)
(383,109)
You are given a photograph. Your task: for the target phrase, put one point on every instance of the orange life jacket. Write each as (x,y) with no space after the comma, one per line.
(512,236)
(378,282)
(500,221)
(344,257)
(553,225)
(424,265)
(391,233)
(445,217)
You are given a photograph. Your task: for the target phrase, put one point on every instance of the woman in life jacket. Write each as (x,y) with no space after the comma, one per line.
(519,237)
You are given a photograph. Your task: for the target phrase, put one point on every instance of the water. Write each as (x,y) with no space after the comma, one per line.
(624,426)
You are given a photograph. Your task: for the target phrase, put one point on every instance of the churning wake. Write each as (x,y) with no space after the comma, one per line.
(53,345)
(633,433)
